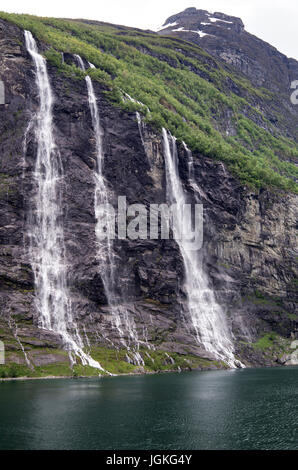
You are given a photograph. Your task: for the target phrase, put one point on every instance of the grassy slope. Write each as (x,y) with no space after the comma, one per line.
(185,89)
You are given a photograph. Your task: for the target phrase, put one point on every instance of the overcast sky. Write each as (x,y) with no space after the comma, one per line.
(274,21)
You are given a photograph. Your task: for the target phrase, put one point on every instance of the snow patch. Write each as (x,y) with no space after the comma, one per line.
(200,33)
(168,25)
(218,19)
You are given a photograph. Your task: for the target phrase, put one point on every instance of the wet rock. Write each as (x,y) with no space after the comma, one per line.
(42,359)
(249,238)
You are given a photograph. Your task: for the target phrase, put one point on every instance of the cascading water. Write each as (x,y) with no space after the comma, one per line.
(191,178)
(122,321)
(46,229)
(206,315)
(140,125)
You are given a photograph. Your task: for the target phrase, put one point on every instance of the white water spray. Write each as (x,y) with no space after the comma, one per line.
(140,125)
(206,314)
(46,227)
(121,319)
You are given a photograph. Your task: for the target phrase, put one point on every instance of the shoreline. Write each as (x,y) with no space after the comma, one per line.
(130,374)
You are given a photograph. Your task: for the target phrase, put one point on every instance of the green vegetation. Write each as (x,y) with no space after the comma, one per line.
(293,317)
(166,75)
(266,342)
(6,185)
(14,370)
(160,361)
(113,361)
(294,285)
(272,345)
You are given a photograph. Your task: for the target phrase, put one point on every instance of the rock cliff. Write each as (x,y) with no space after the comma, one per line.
(249,236)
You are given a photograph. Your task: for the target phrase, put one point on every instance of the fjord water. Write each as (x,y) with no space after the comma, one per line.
(235,409)
(206,314)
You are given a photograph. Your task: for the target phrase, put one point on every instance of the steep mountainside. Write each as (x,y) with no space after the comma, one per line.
(224,37)
(242,132)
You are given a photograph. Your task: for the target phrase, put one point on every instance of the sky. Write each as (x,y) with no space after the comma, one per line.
(274,21)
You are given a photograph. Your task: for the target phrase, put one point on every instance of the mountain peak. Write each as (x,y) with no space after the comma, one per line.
(190,10)
(201,22)
(224,36)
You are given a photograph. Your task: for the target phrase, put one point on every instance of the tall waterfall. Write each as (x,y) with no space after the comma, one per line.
(46,227)
(121,318)
(206,315)
(140,125)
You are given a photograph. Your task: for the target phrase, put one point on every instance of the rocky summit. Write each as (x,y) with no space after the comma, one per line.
(225,37)
(199,112)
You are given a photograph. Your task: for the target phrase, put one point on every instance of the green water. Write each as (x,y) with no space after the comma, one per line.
(243,409)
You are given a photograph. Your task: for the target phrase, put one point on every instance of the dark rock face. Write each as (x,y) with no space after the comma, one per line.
(249,239)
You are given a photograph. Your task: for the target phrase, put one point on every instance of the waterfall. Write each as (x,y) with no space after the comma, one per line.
(191,176)
(189,163)
(121,319)
(206,314)
(46,228)
(140,125)
(80,61)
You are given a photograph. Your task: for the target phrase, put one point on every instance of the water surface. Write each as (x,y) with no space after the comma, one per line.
(240,409)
